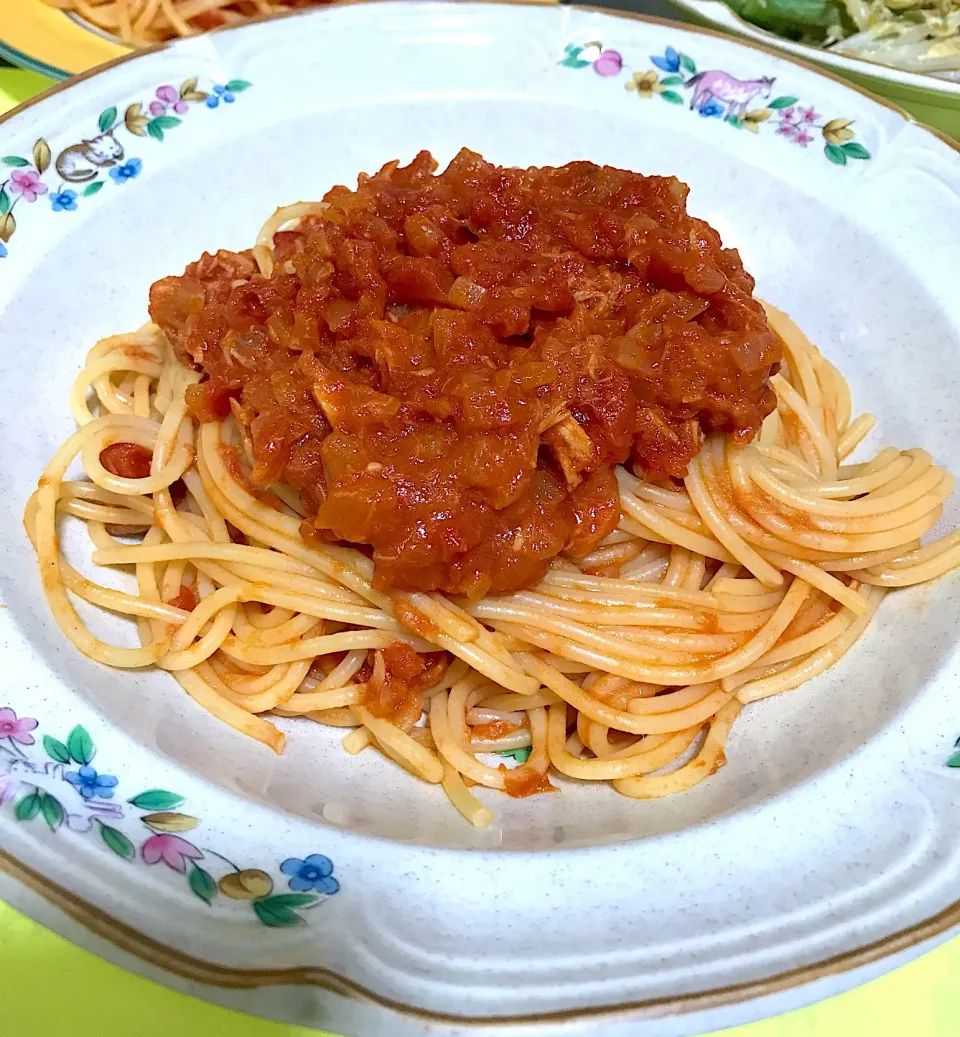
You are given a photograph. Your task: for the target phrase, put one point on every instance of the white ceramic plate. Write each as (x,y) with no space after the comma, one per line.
(831,839)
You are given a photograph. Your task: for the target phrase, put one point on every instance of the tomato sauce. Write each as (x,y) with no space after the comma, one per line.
(447,367)
(127,460)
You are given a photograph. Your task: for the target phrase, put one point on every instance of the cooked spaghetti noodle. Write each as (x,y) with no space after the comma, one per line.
(142,22)
(627,666)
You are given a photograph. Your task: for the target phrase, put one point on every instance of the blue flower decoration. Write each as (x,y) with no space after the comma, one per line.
(129,169)
(670,62)
(3,250)
(713,109)
(64,201)
(315,872)
(220,93)
(89,783)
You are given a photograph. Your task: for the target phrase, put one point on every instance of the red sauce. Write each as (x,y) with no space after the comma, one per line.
(524,781)
(493,729)
(186,599)
(398,695)
(127,460)
(447,367)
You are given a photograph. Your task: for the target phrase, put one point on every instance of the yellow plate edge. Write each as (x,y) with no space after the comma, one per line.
(47,40)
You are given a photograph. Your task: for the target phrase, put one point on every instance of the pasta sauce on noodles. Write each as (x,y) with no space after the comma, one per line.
(491,461)
(448,367)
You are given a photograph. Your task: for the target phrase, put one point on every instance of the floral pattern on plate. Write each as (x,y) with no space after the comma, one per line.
(103,157)
(65,790)
(715,94)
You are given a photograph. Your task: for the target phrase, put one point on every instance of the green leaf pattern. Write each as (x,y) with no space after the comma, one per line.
(202,884)
(279,912)
(80,746)
(836,154)
(156,799)
(520,755)
(117,841)
(107,118)
(56,750)
(52,811)
(28,807)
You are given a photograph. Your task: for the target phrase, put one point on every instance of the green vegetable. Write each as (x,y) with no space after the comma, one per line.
(808,21)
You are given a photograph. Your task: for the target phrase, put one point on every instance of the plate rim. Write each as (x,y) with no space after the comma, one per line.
(145,948)
(648,19)
(178,963)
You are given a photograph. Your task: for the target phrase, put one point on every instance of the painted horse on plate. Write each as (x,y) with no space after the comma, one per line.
(735,93)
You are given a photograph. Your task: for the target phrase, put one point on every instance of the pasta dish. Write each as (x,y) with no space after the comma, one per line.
(503,471)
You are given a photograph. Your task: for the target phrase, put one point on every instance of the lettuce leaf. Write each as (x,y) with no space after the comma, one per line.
(808,21)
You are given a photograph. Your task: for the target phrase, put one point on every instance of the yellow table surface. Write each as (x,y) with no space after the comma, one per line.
(94,998)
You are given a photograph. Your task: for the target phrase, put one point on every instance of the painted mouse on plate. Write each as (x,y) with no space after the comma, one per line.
(80,162)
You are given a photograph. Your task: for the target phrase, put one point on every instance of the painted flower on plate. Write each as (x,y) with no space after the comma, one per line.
(837,131)
(313,872)
(63,201)
(167,97)
(220,93)
(609,63)
(91,784)
(171,849)
(16,728)
(713,109)
(646,84)
(129,169)
(28,184)
(669,61)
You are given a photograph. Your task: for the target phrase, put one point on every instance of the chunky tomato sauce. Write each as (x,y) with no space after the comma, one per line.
(448,367)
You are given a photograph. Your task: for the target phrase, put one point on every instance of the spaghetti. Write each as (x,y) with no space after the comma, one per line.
(627,666)
(143,22)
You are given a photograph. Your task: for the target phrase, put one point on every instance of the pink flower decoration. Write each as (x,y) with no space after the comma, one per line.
(608,64)
(27,183)
(809,114)
(171,849)
(788,130)
(802,138)
(10,726)
(788,113)
(167,95)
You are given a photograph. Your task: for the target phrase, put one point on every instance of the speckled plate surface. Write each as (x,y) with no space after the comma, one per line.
(323,889)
